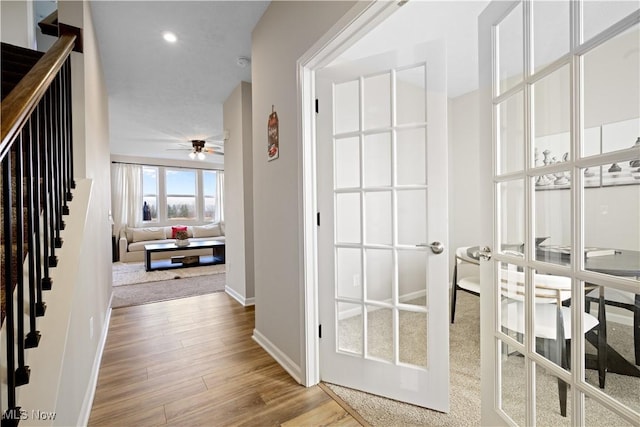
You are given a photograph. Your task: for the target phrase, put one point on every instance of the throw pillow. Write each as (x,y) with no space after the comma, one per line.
(176,228)
(212,230)
(144,234)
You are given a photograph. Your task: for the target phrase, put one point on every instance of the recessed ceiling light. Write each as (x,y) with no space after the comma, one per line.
(169,36)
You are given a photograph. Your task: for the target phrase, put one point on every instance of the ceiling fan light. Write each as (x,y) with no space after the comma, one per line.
(201,155)
(192,155)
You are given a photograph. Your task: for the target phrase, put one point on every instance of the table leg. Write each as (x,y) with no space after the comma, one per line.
(147,260)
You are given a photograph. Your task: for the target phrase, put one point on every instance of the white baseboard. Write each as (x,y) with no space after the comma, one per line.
(87,403)
(282,359)
(239,297)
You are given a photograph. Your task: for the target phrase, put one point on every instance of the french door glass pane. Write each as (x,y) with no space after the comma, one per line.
(618,316)
(350,331)
(552,118)
(413,338)
(377,101)
(596,415)
(512,386)
(377,160)
(411,152)
(548,399)
(511,134)
(410,96)
(412,217)
(511,226)
(552,217)
(347,107)
(412,277)
(611,227)
(378,225)
(379,279)
(550,31)
(552,317)
(599,15)
(349,273)
(510,50)
(511,280)
(347,162)
(611,91)
(380,332)
(348,217)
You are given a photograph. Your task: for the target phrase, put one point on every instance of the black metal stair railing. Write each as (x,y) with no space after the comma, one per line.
(36,162)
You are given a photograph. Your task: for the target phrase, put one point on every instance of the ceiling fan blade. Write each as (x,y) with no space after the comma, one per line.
(213,151)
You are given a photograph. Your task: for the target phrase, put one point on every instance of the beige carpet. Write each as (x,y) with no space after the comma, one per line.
(465,384)
(133,272)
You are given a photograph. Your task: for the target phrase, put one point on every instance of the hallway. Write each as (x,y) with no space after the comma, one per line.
(192,361)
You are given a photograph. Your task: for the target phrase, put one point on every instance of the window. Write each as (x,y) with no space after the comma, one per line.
(209,192)
(150,193)
(181,194)
(176,195)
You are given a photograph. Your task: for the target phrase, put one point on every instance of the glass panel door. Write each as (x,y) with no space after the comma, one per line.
(566,182)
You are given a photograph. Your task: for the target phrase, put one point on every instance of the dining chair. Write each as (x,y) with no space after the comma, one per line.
(552,327)
(622,299)
(466,276)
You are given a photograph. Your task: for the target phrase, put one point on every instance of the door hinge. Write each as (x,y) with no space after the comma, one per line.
(317,106)
(318,219)
(319,331)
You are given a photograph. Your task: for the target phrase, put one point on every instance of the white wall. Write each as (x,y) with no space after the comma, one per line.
(16,23)
(238,185)
(465,202)
(284,33)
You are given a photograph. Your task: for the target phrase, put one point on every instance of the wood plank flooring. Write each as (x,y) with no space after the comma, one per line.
(192,362)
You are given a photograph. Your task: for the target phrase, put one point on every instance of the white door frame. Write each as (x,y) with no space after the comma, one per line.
(357,22)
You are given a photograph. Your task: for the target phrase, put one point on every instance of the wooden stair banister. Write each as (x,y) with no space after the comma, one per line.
(36,178)
(23,99)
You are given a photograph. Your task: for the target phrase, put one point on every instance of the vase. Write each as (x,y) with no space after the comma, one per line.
(182,242)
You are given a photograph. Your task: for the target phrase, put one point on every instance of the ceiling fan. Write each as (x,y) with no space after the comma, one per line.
(198,147)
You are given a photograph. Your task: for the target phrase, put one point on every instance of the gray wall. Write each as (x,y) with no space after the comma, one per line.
(238,189)
(284,33)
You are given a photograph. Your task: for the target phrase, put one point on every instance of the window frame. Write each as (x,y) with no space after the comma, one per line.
(162,195)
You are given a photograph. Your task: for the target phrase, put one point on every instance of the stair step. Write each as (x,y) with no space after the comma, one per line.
(16,63)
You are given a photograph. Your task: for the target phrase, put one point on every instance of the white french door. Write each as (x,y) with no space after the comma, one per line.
(382,201)
(560,117)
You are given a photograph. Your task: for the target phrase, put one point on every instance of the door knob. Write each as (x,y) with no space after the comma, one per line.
(436,247)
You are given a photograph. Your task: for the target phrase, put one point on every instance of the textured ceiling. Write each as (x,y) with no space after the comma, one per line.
(162,94)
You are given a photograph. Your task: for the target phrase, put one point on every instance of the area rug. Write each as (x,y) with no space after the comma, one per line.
(133,272)
(148,292)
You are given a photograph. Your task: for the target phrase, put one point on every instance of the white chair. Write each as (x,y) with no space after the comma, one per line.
(466,276)
(552,320)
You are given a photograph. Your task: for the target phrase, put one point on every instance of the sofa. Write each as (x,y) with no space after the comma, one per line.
(133,239)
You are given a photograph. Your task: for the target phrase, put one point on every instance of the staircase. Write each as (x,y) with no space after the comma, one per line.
(36,180)
(16,63)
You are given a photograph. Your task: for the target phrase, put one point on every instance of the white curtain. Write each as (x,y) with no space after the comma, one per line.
(126,195)
(219,197)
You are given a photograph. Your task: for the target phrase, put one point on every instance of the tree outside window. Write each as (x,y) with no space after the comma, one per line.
(209,192)
(181,194)
(150,193)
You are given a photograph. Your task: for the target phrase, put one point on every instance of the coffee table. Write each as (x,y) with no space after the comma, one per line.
(217,254)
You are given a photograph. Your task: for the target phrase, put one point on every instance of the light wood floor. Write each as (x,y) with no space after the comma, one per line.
(192,362)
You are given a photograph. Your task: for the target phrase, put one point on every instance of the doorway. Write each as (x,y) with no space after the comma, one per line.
(442,15)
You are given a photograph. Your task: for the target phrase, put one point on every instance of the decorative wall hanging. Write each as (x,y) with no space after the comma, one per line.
(273,147)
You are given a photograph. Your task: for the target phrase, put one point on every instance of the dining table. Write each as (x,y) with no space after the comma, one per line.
(617,262)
